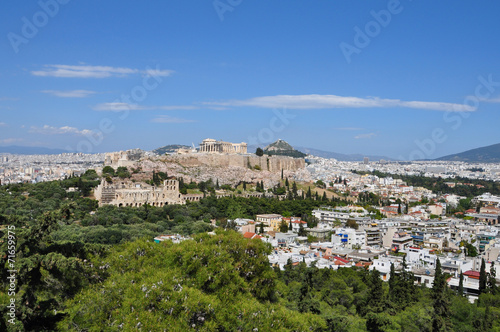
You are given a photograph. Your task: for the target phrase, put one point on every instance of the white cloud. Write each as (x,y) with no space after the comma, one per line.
(70,93)
(333,101)
(10,140)
(491,100)
(370,135)
(49,130)
(169,119)
(87,71)
(119,106)
(157,72)
(3,124)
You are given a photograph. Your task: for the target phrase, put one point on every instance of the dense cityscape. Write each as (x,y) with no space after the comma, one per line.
(232,165)
(418,219)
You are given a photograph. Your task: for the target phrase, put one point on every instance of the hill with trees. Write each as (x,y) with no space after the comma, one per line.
(170,149)
(282,148)
(486,154)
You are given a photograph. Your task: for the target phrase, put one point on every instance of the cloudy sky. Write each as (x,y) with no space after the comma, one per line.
(405,79)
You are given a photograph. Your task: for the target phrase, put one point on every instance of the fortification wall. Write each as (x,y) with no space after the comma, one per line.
(267,163)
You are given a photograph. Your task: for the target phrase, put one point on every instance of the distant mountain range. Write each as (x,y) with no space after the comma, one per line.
(13,149)
(485,154)
(329,154)
(172,148)
(341,156)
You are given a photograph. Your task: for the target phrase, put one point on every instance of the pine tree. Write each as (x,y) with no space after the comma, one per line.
(324,198)
(460,289)
(376,292)
(438,284)
(294,189)
(290,227)
(404,287)
(392,283)
(244,186)
(302,231)
(261,228)
(488,320)
(482,277)
(309,194)
(441,301)
(492,279)
(282,174)
(283,227)
(287,184)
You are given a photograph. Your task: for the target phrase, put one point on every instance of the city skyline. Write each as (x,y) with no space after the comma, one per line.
(389,78)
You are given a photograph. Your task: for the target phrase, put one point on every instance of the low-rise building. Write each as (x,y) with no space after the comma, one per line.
(271,220)
(401,241)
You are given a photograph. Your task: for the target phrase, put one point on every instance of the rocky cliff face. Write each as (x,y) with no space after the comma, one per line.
(273,164)
(228,169)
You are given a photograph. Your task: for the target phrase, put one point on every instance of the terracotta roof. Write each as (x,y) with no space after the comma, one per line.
(299,222)
(250,235)
(337,258)
(472,274)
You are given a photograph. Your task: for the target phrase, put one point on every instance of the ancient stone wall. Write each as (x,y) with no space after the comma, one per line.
(138,194)
(267,163)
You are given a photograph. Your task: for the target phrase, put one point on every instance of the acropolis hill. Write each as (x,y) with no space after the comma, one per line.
(229,163)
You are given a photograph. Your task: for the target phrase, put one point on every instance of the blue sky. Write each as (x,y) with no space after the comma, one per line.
(405,79)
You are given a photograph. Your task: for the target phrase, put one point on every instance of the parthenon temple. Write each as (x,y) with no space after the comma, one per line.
(212,146)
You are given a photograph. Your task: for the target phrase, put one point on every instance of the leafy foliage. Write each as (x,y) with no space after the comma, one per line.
(220,282)
(79,269)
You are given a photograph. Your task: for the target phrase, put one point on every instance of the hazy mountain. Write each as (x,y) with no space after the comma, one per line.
(341,156)
(30,150)
(329,154)
(172,148)
(487,154)
(282,148)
